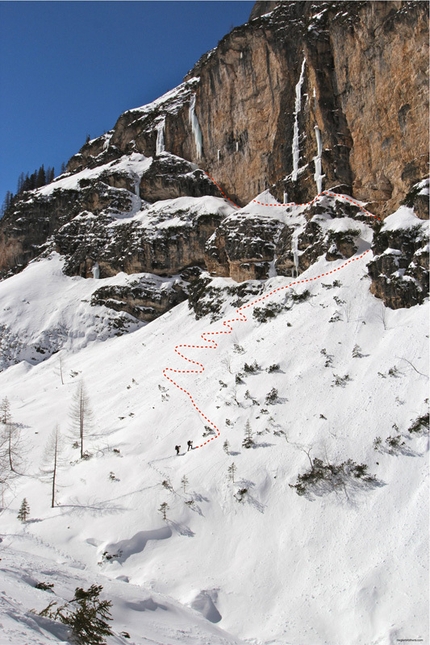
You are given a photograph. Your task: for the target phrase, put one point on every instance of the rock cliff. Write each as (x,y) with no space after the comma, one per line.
(305,97)
(316,95)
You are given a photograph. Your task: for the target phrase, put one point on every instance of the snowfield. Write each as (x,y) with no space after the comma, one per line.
(243,561)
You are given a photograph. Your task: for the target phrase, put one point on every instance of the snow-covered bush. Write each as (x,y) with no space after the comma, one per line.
(272,397)
(324,478)
(394,443)
(251,369)
(44,586)
(301,297)
(328,357)
(420,425)
(263,314)
(341,381)
(240,495)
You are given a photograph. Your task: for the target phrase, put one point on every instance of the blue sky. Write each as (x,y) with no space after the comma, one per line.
(69,69)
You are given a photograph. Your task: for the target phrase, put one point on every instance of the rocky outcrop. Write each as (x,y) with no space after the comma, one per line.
(400,269)
(29,222)
(250,247)
(322,234)
(169,177)
(149,130)
(143,298)
(242,247)
(79,222)
(165,243)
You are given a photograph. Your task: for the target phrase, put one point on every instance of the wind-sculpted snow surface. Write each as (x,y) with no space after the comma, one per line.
(122,550)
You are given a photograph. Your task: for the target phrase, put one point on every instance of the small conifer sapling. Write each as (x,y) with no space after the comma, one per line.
(164,507)
(248,441)
(184,482)
(232,471)
(24,511)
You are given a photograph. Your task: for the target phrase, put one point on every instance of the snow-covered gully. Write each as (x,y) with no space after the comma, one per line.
(211,344)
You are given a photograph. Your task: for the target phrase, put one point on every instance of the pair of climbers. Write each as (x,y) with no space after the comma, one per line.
(189,447)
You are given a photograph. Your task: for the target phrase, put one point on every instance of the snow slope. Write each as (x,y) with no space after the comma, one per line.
(344,565)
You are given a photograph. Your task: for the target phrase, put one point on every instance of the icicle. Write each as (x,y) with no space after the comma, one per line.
(318,176)
(237,146)
(295,150)
(96,271)
(195,127)
(285,197)
(159,146)
(218,155)
(295,249)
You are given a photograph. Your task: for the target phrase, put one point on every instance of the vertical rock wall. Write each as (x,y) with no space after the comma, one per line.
(365,92)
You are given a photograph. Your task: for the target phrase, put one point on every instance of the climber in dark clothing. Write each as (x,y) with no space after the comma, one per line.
(190,445)
(177,448)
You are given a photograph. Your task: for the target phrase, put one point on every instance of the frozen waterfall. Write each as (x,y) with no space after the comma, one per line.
(159,145)
(297,108)
(318,176)
(195,127)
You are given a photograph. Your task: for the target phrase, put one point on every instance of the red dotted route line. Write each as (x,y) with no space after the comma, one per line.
(326,193)
(212,344)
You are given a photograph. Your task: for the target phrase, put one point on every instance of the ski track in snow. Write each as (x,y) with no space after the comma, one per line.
(241,317)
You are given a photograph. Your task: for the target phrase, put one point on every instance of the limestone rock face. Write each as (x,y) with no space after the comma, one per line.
(163,244)
(306,96)
(144,298)
(319,95)
(330,227)
(27,225)
(170,176)
(242,247)
(400,269)
(381,80)
(149,130)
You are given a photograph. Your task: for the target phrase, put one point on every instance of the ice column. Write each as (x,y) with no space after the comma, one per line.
(159,145)
(195,127)
(297,108)
(295,249)
(318,176)
(96,271)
